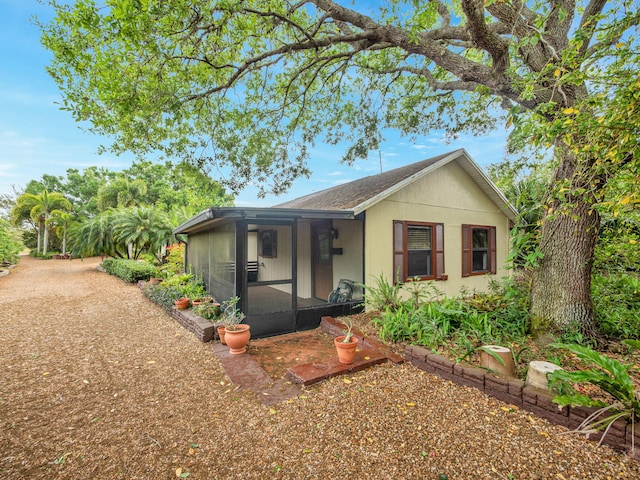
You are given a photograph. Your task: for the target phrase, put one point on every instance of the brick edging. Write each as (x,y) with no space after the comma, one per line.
(514,391)
(202,328)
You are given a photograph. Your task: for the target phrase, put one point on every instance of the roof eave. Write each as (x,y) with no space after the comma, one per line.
(258,213)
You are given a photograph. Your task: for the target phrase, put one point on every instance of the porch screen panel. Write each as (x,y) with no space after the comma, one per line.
(272,290)
(222,254)
(198,255)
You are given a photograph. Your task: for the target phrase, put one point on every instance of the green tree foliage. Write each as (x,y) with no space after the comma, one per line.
(146,229)
(96,236)
(9,245)
(37,208)
(61,221)
(252,84)
(121,193)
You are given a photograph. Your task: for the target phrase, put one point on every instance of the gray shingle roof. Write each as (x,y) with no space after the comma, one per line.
(349,196)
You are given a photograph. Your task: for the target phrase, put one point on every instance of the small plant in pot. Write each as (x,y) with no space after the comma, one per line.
(209,310)
(203,300)
(236,334)
(346,344)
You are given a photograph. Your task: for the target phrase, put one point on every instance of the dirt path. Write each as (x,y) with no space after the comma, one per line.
(96,382)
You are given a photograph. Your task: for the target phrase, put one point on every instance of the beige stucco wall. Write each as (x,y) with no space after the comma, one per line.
(449,196)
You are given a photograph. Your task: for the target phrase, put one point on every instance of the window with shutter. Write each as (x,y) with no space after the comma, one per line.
(418,250)
(478,250)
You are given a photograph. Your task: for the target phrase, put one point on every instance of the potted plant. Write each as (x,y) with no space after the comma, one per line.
(208,310)
(346,344)
(202,300)
(236,334)
(183,303)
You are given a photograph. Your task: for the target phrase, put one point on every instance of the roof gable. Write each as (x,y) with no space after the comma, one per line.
(361,194)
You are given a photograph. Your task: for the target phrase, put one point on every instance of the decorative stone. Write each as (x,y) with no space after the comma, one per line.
(490,362)
(538,372)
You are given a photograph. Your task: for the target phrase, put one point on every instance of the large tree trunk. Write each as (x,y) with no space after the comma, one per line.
(561,292)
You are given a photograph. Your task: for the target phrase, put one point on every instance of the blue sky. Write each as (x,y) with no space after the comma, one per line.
(36,137)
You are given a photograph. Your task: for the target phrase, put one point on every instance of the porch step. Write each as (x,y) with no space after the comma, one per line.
(310,373)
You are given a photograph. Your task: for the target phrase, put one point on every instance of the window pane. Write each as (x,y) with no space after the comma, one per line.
(324,242)
(480,238)
(480,261)
(419,263)
(418,238)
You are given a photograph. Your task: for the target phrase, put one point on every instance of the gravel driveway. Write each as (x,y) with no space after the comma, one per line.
(97,382)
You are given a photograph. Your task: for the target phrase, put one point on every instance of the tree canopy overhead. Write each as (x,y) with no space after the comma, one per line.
(252,84)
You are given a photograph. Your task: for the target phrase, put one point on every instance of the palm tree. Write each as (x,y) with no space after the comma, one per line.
(95,236)
(39,208)
(147,229)
(121,193)
(61,220)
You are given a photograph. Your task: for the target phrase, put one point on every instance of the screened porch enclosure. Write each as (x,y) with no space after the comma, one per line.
(283,269)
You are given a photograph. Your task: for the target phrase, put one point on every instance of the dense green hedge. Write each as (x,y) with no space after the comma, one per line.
(129,270)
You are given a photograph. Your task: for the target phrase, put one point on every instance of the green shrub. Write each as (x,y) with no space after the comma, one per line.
(9,245)
(208,310)
(616,301)
(383,295)
(610,376)
(499,316)
(129,270)
(174,261)
(162,294)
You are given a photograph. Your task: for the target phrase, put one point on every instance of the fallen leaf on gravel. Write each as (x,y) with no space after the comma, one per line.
(151,362)
(45,373)
(273,411)
(346,380)
(411,404)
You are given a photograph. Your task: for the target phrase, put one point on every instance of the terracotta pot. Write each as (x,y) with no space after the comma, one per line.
(237,339)
(200,301)
(221,334)
(346,351)
(155,281)
(182,303)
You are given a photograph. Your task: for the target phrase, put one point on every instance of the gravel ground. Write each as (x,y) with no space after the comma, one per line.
(98,383)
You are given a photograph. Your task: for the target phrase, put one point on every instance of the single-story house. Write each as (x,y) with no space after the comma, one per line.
(439,220)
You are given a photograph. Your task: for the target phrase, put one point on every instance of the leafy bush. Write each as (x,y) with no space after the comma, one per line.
(187,285)
(468,321)
(610,376)
(9,246)
(208,310)
(129,270)
(616,301)
(383,295)
(174,261)
(162,294)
